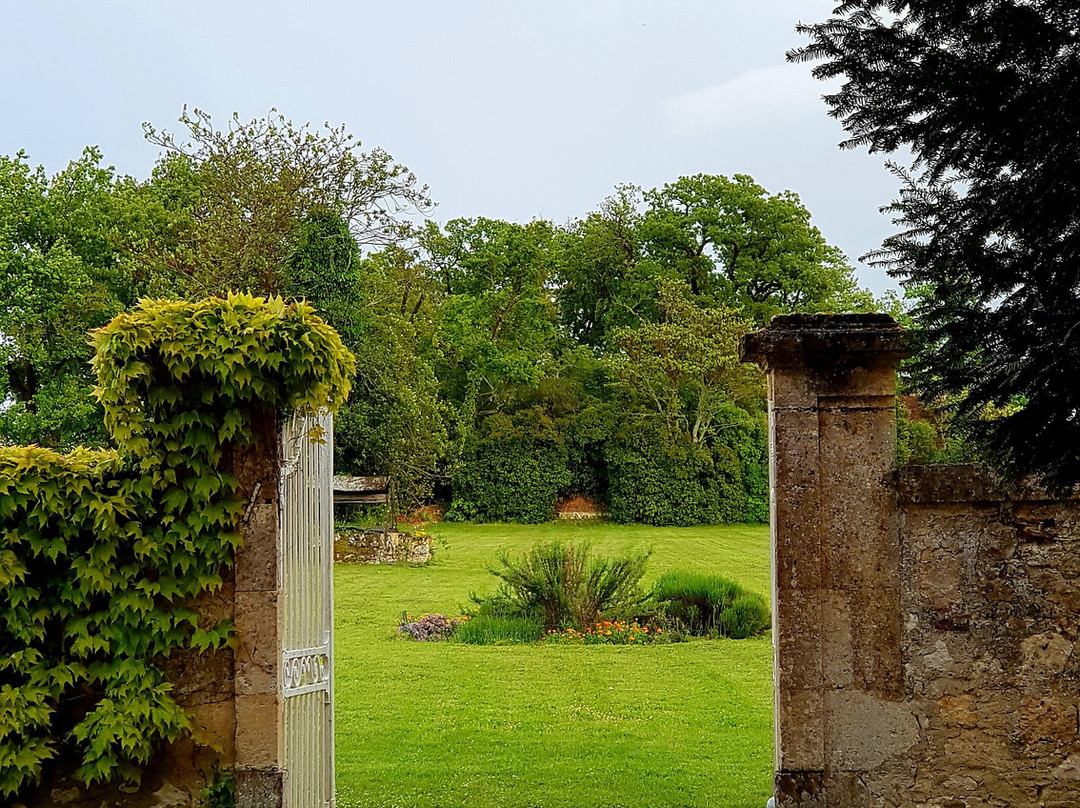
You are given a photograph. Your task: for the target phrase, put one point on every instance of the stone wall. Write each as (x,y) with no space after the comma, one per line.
(991,599)
(381,546)
(925,620)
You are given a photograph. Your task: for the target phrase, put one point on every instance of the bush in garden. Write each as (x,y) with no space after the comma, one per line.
(660,477)
(429,628)
(510,480)
(710,605)
(563,585)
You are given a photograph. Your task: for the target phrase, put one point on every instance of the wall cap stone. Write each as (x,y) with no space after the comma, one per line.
(938,485)
(834,335)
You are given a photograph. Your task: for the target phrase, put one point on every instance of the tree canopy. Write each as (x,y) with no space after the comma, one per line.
(984,95)
(499,364)
(245,188)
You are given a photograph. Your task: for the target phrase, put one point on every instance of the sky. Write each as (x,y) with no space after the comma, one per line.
(505,109)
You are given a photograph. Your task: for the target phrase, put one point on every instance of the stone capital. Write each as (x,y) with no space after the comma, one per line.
(836,338)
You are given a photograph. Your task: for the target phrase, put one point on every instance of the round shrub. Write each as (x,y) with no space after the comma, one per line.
(710,605)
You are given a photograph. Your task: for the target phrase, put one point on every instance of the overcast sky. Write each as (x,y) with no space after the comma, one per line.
(505,109)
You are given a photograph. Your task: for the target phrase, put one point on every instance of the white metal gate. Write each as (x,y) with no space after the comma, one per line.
(307,555)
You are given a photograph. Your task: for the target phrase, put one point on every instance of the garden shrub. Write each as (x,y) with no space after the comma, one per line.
(429,628)
(513,471)
(102,552)
(709,605)
(661,478)
(565,585)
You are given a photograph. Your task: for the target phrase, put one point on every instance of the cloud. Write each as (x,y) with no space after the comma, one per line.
(767,96)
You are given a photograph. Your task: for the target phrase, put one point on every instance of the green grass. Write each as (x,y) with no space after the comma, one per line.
(442,725)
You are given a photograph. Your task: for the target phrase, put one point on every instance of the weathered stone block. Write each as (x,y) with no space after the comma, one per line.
(800,789)
(259,787)
(257,558)
(214,725)
(800,735)
(796,500)
(798,639)
(863,732)
(258,731)
(258,642)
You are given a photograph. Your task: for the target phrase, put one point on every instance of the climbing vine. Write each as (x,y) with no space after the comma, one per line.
(102,551)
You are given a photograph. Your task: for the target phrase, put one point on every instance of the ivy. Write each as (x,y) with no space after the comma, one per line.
(103,551)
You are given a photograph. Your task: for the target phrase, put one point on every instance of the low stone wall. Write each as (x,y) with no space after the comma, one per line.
(381,547)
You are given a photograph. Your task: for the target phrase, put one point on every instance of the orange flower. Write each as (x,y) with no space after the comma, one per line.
(607,633)
(659,631)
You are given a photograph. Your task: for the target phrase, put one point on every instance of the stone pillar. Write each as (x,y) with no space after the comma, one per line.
(259,743)
(835,546)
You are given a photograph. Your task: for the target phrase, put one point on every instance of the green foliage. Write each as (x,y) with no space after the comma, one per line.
(510,480)
(603,282)
(732,241)
(710,605)
(73,253)
(660,476)
(102,551)
(498,630)
(221,793)
(515,465)
(398,419)
(980,100)
(931,439)
(685,368)
(565,585)
(250,184)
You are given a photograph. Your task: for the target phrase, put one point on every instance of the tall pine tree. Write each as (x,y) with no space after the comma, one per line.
(984,95)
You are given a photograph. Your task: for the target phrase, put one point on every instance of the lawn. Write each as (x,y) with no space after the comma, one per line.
(531,726)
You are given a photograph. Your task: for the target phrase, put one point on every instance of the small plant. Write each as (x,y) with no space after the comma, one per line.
(608,632)
(498,630)
(221,792)
(563,585)
(709,605)
(430,627)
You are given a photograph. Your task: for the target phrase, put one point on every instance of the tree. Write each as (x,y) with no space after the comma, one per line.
(601,282)
(729,240)
(498,323)
(248,186)
(381,305)
(756,252)
(686,368)
(984,95)
(75,249)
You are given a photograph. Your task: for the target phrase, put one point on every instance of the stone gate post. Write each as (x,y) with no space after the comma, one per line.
(835,547)
(258,742)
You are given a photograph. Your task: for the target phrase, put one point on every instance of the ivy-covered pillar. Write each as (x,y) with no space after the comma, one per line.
(835,548)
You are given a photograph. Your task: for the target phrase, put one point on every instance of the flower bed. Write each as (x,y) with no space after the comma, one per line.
(608,632)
